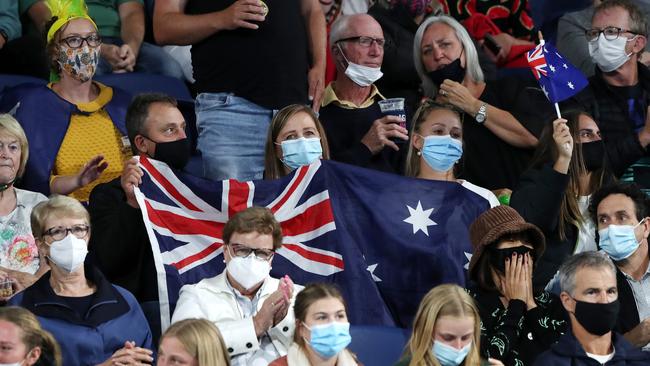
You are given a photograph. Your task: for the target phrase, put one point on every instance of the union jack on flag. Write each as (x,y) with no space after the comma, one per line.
(340,224)
(558,79)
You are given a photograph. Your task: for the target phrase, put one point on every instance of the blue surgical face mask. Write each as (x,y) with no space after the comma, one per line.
(329,339)
(619,241)
(441,152)
(448,355)
(302,151)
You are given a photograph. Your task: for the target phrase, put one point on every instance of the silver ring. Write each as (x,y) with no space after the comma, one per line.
(444,93)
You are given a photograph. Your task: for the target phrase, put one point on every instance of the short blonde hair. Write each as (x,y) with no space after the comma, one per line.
(11,127)
(443,300)
(274,167)
(57,206)
(201,339)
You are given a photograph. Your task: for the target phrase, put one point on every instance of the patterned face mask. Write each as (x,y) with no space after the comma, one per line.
(80,63)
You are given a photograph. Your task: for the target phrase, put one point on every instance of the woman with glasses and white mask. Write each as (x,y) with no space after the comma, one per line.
(436,147)
(322,329)
(95,322)
(296,138)
(253,311)
(77,123)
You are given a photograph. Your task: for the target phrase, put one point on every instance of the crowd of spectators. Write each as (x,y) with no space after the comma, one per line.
(560,269)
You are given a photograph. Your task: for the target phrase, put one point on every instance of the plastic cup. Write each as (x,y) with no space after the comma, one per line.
(394,107)
(6,288)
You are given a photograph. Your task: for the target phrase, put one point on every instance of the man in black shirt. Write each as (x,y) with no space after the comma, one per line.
(618,93)
(357,131)
(250,58)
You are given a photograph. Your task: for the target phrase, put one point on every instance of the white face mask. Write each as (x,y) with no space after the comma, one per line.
(609,55)
(248,271)
(11,364)
(359,74)
(69,253)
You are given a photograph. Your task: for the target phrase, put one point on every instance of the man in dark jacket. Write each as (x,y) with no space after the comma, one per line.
(119,245)
(619,92)
(589,295)
(621,213)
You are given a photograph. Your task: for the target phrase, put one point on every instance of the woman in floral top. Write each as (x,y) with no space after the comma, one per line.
(517,323)
(19,258)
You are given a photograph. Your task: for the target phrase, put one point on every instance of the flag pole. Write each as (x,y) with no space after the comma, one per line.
(557,106)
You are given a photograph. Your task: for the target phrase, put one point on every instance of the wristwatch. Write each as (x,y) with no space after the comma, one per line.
(481,115)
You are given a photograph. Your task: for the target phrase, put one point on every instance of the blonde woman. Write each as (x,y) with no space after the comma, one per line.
(95,322)
(192,342)
(19,259)
(322,329)
(296,138)
(24,341)
(436,147)
(446,331)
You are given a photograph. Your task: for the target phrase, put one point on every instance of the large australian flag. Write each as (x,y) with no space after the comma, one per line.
(385,240)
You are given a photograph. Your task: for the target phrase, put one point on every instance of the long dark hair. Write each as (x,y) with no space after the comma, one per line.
(547,152)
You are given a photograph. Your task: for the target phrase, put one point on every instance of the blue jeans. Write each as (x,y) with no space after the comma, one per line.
(232,135)
(152,59)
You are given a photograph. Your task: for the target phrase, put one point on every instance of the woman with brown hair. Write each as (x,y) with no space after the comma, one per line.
(446,331)
(296,138)
(322,329)
(569,165)
(24,341)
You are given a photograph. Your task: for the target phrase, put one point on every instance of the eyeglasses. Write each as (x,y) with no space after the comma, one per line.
(610,33)
(92,40)
(239,250)
(60,232)
(365,41)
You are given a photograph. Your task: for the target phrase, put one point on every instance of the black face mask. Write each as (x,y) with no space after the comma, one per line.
(453,72)
(176,154)
(593,154)
(498,257)
(597,318)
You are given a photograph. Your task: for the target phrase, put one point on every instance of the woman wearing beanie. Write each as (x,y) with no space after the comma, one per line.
(516,323)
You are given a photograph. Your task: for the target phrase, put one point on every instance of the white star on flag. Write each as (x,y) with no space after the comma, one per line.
(570,84)
(419,218)
(469,259)
(551,67)
(371,268)
(565,66)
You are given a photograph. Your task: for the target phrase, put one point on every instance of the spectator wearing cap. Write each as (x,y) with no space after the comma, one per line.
(516,323)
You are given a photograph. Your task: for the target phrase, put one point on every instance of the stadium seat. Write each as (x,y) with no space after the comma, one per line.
(136,83)
(151,310)
(378,345)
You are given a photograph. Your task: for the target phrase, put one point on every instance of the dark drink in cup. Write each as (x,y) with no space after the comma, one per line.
(394,107)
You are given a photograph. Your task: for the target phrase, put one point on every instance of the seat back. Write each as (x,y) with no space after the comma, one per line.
(378,345)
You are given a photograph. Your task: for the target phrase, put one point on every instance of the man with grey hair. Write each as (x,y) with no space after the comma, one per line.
(590,296)
(357,131)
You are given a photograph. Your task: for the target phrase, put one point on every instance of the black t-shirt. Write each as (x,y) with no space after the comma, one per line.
(488,161)
(79,305)
(268,66)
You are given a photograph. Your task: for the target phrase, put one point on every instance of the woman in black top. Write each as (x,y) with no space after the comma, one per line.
(517,324)
(569,165)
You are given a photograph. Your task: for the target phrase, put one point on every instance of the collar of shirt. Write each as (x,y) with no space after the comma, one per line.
(246,303)
(329,96)
(644,277)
